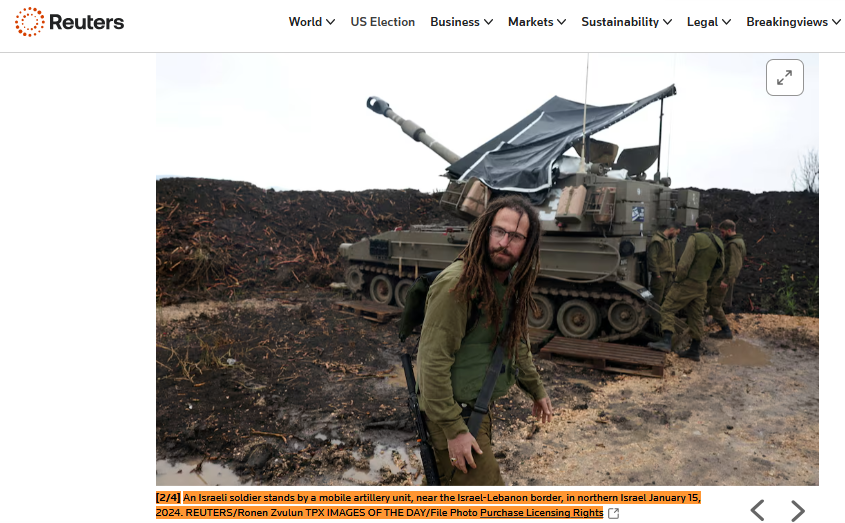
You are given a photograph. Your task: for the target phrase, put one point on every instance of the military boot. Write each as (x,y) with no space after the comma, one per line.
(724,334)
(664,345)
(694,351)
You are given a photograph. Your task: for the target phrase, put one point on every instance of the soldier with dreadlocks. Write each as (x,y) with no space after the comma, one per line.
(495,272)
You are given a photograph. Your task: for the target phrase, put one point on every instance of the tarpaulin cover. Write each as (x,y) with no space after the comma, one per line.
(520,159)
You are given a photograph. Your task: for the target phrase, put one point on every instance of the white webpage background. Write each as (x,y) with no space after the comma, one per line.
(78,147)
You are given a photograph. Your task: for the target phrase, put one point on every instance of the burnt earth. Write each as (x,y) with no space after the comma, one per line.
(289,370)
(222,239)
(287,391)
(781,232)
(256,387)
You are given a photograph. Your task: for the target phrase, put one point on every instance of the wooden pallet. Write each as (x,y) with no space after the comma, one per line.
(369,310)
(611,357)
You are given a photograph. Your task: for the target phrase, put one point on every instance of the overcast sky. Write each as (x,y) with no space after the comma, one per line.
(300,122)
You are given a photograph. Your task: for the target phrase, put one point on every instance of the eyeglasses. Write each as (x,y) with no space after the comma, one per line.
(497,233)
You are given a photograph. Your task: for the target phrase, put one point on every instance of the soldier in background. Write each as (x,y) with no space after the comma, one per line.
(734,254)
(699,267)
(661,260)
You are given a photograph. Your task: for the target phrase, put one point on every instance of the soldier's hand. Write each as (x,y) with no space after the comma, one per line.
(543,410)
(723,285)
(460,451)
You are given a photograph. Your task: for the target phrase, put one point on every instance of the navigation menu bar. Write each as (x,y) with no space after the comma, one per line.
(518,21)
(642,21)
(190,26)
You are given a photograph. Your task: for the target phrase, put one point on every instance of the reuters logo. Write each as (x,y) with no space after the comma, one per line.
(29,21)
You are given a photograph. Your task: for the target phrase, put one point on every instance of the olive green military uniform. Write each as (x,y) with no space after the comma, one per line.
(734,254)
(661,262)
(701,263)
(452,364)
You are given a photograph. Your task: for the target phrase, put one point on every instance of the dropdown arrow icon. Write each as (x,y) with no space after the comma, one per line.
(836,21)
(780,82)
(667,22)
(330,21)
(726,21)
(561,22)
(488,21)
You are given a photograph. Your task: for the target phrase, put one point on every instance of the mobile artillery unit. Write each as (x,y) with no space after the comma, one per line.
(597,211)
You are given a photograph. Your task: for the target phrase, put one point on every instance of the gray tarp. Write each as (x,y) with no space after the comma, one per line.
(520,159)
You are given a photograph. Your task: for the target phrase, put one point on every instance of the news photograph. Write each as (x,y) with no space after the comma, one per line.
(517,269)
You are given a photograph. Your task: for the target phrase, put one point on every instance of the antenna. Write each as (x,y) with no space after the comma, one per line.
(671,115)
(659,142)
(582,167)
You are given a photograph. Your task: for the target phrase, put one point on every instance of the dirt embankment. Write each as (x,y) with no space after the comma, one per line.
(218,239)
(222,240)
(781,232)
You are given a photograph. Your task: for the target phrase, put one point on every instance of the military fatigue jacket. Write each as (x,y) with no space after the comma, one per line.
(452,362)
(661,254)
(734,254)
(702,260)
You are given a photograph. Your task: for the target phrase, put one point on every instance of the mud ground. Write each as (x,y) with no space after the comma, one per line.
(283,390)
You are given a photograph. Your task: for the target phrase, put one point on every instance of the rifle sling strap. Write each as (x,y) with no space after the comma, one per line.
(479,410)
(713,239)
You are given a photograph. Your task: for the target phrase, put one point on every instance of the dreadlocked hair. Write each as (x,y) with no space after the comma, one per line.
(477,278)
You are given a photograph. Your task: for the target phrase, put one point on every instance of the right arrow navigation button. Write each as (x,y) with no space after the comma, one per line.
(754,509)
(799,508)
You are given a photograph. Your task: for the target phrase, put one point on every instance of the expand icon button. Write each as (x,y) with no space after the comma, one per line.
(785,77)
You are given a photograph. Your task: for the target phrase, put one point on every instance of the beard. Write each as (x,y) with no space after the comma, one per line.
(500,263)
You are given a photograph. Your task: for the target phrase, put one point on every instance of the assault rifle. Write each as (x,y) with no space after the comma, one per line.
(426,452)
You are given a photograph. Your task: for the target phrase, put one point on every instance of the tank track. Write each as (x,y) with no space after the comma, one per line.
(599,297)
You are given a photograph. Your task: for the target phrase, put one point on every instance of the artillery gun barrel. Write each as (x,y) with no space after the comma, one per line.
(379,106)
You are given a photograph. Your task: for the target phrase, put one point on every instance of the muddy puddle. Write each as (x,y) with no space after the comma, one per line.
(583,382)
(743,354)
(385,459)
(180,474)
(211,308)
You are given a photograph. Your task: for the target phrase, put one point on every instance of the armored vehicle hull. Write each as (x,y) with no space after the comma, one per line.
(596,220)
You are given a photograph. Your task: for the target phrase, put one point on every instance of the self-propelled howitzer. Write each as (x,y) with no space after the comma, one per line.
(597,212)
